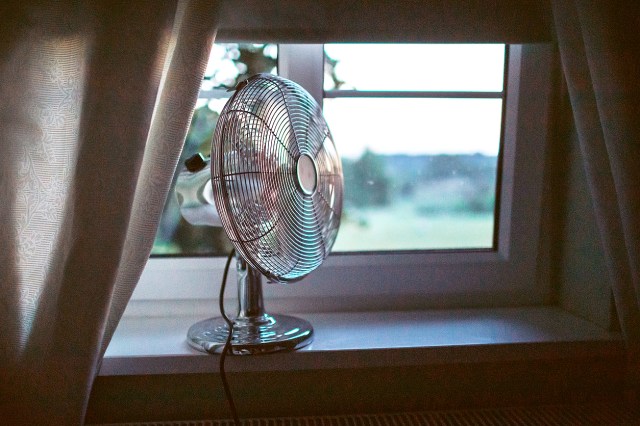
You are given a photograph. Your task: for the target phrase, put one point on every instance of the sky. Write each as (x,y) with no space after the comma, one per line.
(414,126)
(451,67)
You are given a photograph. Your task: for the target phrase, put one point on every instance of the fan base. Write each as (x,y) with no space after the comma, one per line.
(251,336)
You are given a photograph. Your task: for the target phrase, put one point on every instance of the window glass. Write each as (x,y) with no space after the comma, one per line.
(415,126)
(414,67)
(420,173)
(229,64)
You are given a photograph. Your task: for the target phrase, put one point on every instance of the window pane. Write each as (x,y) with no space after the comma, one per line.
(229,64)
(419,173)
(415,67)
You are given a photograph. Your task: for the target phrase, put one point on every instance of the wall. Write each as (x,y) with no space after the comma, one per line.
(580,273)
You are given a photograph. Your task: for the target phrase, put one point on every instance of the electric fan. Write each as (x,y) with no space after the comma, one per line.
(275,186)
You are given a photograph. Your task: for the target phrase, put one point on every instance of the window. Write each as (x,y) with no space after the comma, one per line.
(420,126)
(500,267)
(229,63)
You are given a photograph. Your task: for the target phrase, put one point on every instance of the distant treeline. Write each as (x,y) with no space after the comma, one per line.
(445,182)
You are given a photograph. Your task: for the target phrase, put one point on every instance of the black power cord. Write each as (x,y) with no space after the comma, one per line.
(227,346)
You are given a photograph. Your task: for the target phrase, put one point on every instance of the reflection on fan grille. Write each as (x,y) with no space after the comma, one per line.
(280,229)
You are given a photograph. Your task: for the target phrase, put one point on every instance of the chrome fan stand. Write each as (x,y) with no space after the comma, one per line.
(254,330)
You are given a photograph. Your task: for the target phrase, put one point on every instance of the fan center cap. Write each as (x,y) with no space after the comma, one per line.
(307,174)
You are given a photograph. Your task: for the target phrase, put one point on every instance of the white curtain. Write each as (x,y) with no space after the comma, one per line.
(95,101)
(600,52)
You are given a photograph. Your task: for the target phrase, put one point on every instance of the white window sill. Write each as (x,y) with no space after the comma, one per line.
(143,346)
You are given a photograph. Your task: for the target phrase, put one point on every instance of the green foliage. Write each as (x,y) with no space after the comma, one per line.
(366,181)
(251,60)
(451,183)
(435,184)
(330,72)
(200,133)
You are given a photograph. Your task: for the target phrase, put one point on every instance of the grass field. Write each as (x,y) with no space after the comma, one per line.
(396,227)
(400,227)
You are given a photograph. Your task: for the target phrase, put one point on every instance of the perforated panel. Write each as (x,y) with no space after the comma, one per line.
(593,414)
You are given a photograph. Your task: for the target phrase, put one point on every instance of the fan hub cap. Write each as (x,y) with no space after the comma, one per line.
(307,174)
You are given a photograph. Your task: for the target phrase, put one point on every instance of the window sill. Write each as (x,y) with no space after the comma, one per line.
(157,346)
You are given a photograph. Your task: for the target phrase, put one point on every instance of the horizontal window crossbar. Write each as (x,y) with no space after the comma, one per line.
(223,93)
(410,94)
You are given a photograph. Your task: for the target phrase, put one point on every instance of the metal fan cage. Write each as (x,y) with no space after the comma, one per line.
(277,178)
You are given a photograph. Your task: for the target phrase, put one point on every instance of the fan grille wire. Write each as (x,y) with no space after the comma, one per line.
(262,132)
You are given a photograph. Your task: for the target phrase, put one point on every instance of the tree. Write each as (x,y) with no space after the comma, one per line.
(367,180)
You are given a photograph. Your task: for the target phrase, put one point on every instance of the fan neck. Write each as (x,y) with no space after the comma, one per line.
(251,304)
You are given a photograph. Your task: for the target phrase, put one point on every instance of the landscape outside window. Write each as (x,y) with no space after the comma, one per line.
(420,168)
(420,171)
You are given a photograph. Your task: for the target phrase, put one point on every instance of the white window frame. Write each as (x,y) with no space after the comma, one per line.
(510,275)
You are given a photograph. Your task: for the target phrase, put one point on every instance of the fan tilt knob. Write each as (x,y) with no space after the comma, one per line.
(307,174)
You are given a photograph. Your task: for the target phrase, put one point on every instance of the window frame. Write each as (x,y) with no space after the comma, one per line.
(510,275)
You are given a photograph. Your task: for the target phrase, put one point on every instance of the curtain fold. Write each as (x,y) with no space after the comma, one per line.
(599,49)
(97,99)
(176,102)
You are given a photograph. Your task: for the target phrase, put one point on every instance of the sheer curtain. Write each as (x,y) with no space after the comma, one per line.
(95,101)
(599,47)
